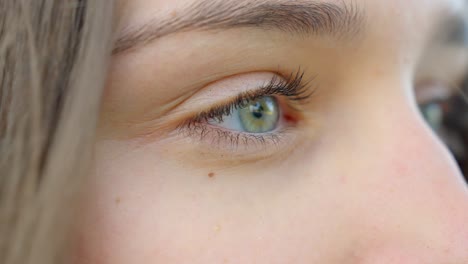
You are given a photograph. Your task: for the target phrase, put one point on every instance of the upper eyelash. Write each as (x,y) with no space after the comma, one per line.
(293,87)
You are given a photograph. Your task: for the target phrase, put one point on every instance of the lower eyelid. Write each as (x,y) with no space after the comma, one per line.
(214,139)
(239,145)
(429,91)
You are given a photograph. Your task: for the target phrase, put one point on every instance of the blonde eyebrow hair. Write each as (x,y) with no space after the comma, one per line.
(297,17)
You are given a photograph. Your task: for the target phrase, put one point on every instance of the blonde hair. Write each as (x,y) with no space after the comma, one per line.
(53,60)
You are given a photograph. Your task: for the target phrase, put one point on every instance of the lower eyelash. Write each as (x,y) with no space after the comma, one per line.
(233,139)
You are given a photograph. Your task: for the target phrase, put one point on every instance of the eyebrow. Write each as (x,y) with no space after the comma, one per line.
(338,19)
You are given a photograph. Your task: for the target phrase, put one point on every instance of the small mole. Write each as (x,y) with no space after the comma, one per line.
(211,174)
(117,200)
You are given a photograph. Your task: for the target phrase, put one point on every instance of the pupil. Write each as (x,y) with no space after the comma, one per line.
(257,110)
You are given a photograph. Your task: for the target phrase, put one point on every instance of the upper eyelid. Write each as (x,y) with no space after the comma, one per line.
(293,87)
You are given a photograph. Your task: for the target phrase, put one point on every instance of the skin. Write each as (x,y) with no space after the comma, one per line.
(359,177)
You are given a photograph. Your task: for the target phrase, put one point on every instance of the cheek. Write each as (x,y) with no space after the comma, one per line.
(322,206)
(142,207)
(389,255)
(114,206)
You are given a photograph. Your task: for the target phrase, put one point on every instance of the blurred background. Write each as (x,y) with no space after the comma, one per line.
(449,118)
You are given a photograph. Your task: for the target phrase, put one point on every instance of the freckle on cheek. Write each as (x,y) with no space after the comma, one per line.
(117,200)
(211,174)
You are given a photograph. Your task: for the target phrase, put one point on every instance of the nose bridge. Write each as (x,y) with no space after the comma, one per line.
(424,185)
(418,149)
(413,149)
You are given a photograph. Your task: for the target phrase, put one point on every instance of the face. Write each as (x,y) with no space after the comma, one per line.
(277,132)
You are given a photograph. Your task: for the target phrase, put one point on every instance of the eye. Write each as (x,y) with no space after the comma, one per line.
(432,100)
(253,116)
(433,113)
(265,112)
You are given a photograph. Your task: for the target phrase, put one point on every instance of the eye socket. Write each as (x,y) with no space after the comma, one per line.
(261,115)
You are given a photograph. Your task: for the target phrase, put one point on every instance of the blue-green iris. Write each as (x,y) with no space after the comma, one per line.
(260,115)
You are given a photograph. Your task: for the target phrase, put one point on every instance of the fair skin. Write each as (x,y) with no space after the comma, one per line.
(353,176)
